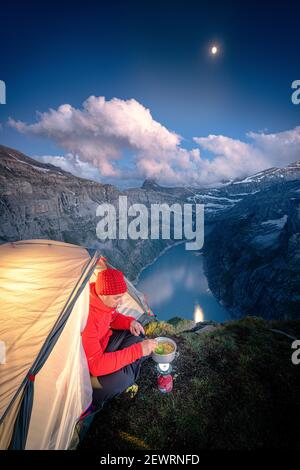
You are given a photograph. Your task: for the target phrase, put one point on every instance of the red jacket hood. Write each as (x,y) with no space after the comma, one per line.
(96,302)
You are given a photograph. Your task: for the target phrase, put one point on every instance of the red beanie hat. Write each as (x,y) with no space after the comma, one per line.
(110,282)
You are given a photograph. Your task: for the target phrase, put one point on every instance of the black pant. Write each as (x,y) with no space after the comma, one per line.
(115,383)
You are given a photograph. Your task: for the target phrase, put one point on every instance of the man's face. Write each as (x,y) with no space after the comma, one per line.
(112,300)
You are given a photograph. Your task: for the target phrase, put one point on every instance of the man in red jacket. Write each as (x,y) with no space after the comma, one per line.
(111,340)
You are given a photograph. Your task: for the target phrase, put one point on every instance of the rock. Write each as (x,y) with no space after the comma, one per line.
(181,324)
(40,200)
(252,259)
(206,329)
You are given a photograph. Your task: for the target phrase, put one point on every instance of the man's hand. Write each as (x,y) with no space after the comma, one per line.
(148,346)
(136,328)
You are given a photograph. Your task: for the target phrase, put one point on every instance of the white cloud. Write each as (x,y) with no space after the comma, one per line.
(234,158)
(231,158)
(282,147)
(72,164)
(120,140)
(102,130)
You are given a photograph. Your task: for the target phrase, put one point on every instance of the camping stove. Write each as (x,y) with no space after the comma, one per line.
(164,367)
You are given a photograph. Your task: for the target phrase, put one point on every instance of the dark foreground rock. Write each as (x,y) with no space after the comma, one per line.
(234,388)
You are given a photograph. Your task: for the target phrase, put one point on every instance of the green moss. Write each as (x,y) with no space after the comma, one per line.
(155,329)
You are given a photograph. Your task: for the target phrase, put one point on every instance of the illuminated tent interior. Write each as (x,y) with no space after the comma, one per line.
(45,384)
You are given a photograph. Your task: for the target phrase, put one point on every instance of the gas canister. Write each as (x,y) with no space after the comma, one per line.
(165,383)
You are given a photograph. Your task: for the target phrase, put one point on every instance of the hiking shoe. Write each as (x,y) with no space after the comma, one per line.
(132,390)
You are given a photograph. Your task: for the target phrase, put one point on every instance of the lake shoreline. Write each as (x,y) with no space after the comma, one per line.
(136,280)
(176,282)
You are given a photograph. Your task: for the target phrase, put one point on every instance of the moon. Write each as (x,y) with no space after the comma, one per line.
(214,50)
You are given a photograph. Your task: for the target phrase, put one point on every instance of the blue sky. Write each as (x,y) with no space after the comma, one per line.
(157,54)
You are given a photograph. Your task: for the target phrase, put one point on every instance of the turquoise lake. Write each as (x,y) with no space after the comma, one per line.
(175,284)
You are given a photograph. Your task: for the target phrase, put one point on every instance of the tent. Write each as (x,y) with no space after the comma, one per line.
(45,384)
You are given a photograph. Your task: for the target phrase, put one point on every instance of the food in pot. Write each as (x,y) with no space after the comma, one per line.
(164,348)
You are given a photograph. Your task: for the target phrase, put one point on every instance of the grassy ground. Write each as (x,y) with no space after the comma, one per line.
(234,388)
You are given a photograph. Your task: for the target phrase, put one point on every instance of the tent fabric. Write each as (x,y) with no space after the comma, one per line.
(63,385)
(36,280)
(7,426)
(44,295)
(23,418)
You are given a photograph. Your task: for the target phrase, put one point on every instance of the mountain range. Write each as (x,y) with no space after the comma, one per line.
(252,227)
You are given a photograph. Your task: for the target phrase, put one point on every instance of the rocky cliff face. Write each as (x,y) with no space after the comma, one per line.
(42,201)
(219,201)
(253,257)
(251,226)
